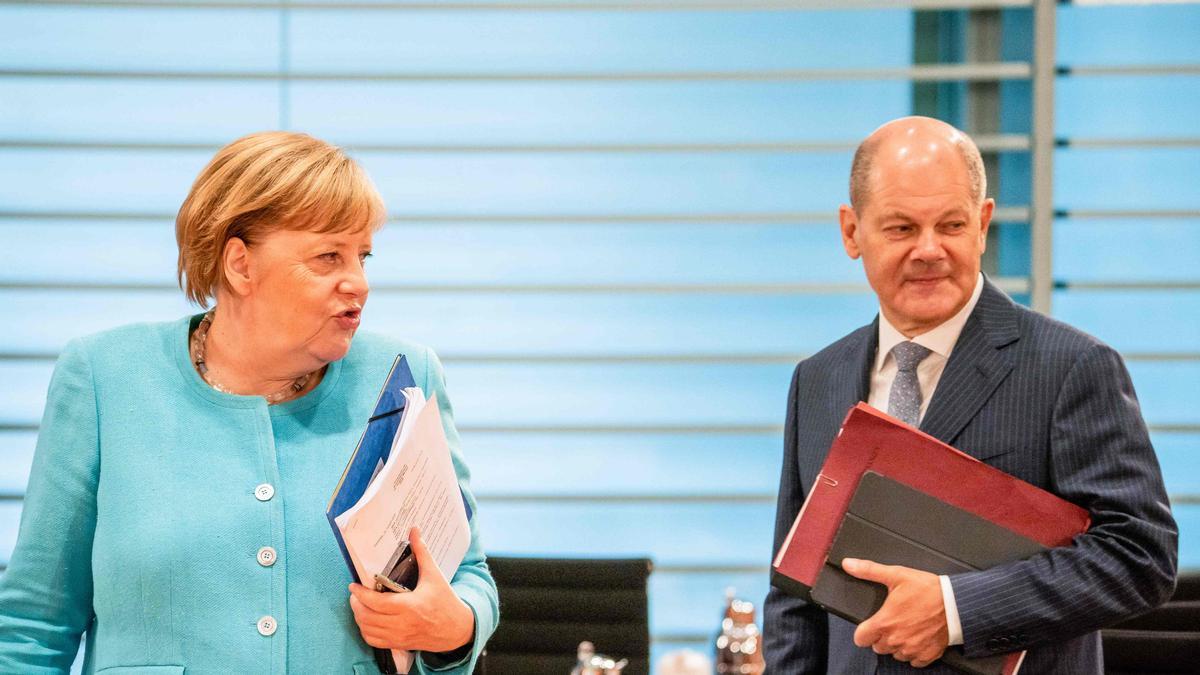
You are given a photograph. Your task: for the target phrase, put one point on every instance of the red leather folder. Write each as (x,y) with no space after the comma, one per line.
(869,440)
(872,441)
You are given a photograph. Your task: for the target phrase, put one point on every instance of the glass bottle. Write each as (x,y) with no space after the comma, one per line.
(739,645)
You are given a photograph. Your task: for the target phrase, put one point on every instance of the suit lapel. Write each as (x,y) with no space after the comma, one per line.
(839,381)
(853,370)
(979,363)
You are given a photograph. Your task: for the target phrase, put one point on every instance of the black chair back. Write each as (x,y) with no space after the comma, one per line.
(1166,640)
(548,606)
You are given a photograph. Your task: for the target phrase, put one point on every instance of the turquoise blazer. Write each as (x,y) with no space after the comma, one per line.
(152,495)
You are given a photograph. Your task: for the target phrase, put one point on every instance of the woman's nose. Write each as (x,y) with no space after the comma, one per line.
(355,282)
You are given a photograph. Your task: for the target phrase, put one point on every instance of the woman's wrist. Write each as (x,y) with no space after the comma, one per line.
(465,623)
(451,657)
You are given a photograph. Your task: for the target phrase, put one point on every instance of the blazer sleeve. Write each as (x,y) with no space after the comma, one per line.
(46,593)
(795,633)
(1100,458)
(473,581)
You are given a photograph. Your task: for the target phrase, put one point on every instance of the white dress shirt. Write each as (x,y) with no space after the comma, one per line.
(940,342)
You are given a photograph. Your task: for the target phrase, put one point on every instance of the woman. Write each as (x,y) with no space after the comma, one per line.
(175,510)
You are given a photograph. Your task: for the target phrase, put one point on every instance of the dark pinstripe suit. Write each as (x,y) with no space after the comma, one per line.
(1043,402)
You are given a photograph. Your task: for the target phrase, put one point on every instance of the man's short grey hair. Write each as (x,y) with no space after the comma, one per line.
(864,160)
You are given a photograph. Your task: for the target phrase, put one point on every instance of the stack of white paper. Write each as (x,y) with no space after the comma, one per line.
(416,487)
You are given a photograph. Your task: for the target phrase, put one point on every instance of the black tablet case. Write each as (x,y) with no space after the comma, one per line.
(891,523)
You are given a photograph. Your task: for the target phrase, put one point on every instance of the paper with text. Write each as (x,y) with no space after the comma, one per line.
(417,486)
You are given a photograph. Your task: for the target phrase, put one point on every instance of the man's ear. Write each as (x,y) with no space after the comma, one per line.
(985,220)
(849,223)
(235,262)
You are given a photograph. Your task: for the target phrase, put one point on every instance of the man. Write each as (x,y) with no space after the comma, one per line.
(1028,395)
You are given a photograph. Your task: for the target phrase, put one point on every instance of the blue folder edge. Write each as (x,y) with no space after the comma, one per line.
(373,447)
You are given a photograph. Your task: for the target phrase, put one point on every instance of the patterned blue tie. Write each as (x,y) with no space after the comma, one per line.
(904,401)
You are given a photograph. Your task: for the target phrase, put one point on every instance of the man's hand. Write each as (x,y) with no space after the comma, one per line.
(432,618)
(911,624)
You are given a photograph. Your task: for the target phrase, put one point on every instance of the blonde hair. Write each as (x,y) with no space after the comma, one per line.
(261,183)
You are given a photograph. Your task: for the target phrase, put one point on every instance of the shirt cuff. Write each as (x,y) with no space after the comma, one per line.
(953,625)
(438,661)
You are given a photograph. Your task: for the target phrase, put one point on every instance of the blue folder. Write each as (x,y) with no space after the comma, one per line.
(373,447)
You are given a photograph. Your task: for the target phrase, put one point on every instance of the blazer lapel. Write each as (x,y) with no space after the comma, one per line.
(853,370)
(843,380)
(978,364)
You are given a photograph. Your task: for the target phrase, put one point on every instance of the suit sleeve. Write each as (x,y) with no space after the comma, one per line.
(795,633)
(472,581)
(1101,458)
(46,593)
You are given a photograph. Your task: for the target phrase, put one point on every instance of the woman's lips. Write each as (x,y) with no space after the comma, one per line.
(348,320)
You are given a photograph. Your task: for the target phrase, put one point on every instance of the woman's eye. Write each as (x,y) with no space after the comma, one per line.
(332,256)
(363,257)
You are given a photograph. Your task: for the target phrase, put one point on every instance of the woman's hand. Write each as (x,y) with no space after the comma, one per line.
(432,618)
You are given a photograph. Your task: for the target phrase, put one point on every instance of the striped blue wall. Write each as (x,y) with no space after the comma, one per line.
(1131,143)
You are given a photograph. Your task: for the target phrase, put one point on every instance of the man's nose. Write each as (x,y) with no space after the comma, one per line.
(929,246)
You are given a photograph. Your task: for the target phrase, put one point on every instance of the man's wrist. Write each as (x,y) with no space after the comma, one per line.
(953,624)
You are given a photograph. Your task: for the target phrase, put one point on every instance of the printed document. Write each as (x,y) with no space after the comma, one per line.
(417,487)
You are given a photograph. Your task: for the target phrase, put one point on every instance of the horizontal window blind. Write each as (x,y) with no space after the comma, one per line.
(1125,240)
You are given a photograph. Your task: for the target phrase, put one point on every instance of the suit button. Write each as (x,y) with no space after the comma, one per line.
(267,626)
(266,556)
(264,492)
(993,644)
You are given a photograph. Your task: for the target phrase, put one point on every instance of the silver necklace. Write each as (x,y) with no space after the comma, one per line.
(200,335)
